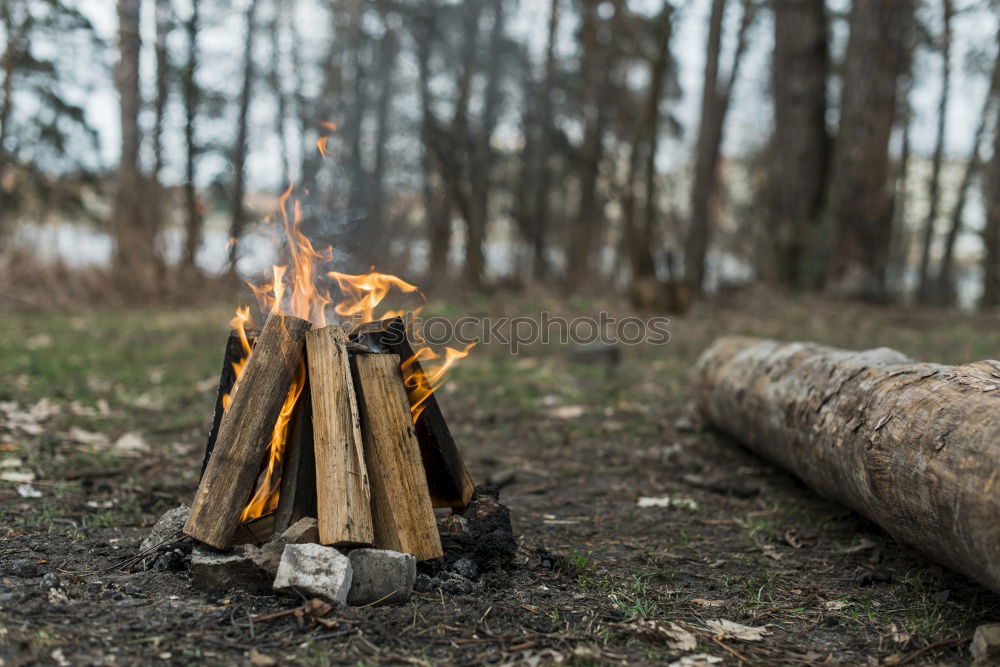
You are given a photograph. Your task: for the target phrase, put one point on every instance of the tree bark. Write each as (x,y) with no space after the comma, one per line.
(860,195)
(239,155)
(799,153)
(934,184)
(913,446)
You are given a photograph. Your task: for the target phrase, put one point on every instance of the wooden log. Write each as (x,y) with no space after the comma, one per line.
(227,378)
(343,494)
(402,514)
(447,477)
(245,431)
(297,496)
(914,447)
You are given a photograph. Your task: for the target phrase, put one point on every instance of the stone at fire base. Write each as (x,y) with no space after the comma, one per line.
(312,570)
(381,576)
(213,570)
(986,645)
(167,528)
(303,531)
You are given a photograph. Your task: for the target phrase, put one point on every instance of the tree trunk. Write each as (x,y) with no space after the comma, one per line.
(274,80)
(900,244)
(860,195)
(437,213)
(944,290)
(15,35)
(799,153)
(134,261)
(714,106)
(643,145)
(934,184)
(991,231)
(914,447)
(594,69)
(163,27)
(189,89)
(481,170)
(540,206)
(239,155)
(374,237)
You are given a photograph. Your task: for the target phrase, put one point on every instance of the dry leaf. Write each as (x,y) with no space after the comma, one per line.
(131,443)
(697,660)
(725,629)
(17,477)
(667,501)
(567,412)
(708,603)
(260,660)
(675,636)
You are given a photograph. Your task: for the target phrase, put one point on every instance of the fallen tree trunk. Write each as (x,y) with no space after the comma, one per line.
(914,447)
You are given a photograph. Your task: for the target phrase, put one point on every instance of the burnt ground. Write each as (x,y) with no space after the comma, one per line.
(599,579)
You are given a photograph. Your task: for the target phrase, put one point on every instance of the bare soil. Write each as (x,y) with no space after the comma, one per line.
(599,578)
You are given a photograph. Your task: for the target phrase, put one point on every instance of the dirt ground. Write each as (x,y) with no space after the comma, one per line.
(103,418)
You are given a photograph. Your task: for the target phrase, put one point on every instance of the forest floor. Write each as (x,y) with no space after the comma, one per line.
(105,415)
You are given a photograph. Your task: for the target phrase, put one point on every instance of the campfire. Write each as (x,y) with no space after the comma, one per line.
(332,422)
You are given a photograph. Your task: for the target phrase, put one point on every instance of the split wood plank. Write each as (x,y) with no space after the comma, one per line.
(402,514)
(447,476)
(245,431)
(343,495)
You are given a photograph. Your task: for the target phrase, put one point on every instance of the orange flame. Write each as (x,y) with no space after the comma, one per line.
(419,383)
(293,290)
(361,294)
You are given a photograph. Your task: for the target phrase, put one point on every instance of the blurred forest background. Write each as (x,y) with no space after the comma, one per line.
(655,149)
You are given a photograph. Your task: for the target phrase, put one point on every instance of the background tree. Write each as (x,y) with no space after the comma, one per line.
(860,198)
(799,151)
(714,106)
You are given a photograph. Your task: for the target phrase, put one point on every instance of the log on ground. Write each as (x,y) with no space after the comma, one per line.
(245,430)
(915,447)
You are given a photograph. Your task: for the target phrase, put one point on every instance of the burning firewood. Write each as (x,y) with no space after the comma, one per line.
(402,514)
(246,427)
(297,498)
(449,480)
(344,499)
